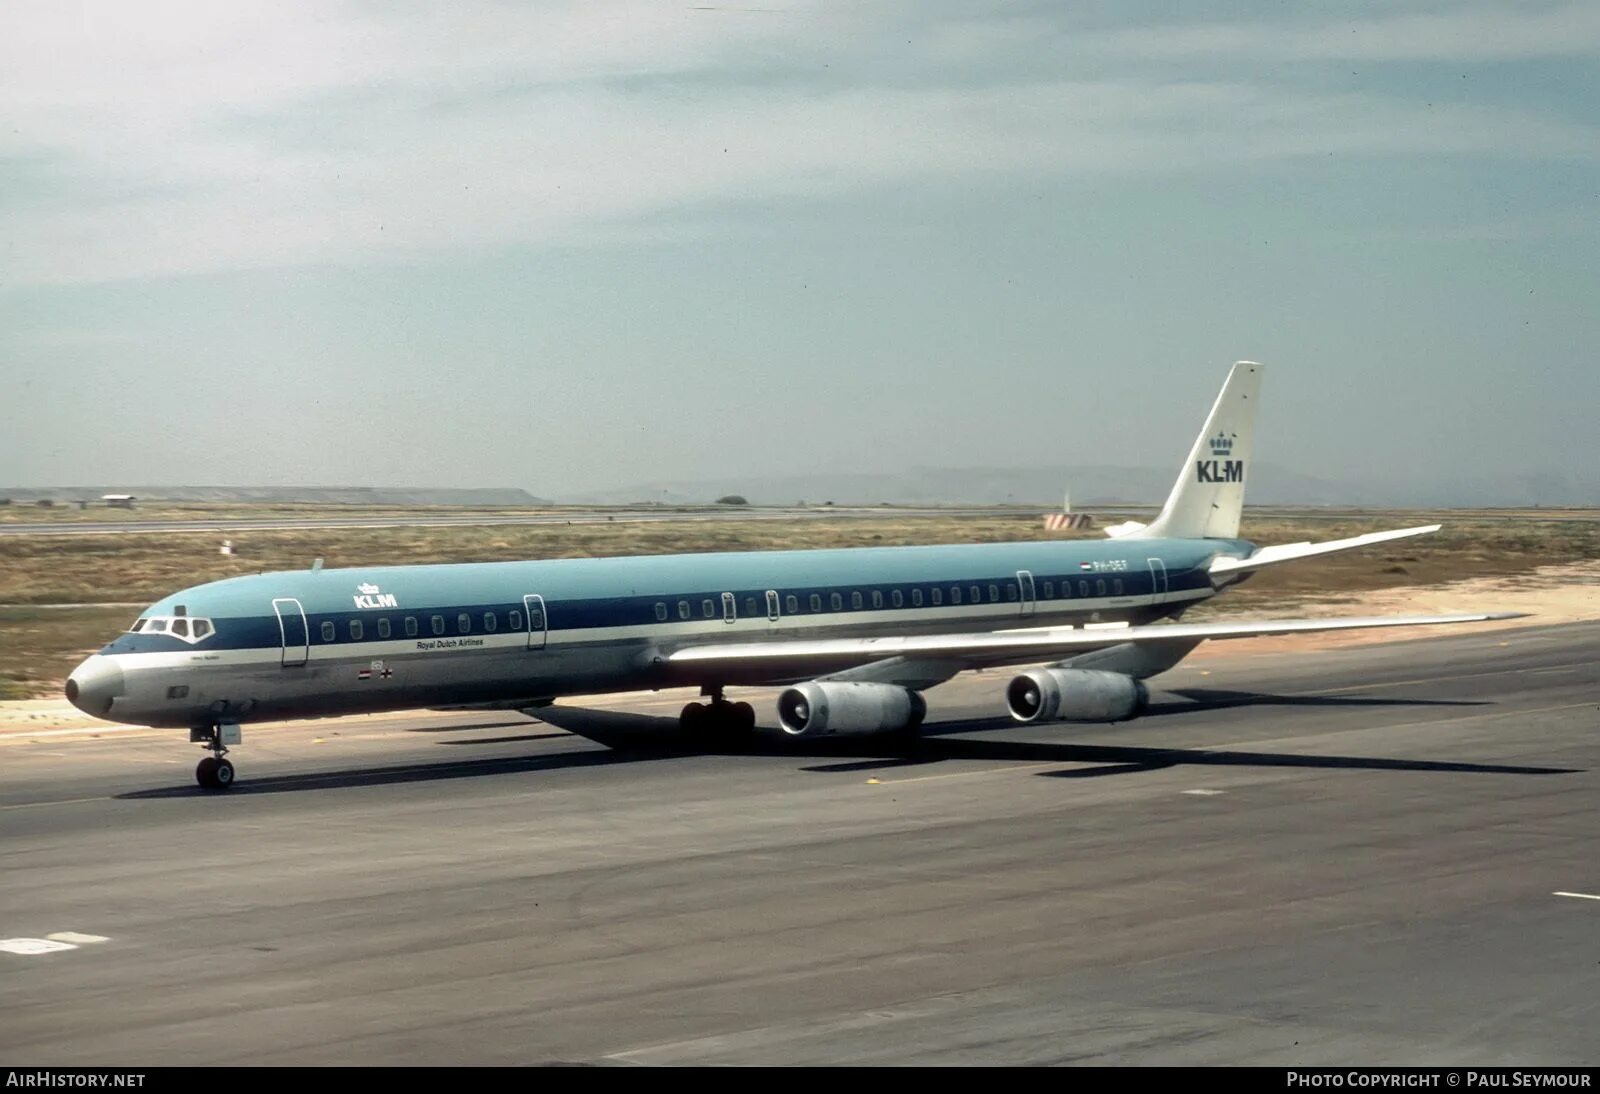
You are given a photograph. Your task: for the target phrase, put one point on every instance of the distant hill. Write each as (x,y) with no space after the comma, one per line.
(326,495)
(1096,485)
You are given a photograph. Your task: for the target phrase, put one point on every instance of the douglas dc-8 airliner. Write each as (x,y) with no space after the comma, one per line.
(854,636)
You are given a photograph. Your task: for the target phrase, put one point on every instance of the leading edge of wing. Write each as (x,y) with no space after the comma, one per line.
(1049,641)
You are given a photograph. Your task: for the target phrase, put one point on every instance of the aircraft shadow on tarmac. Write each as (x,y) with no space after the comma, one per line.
(635,738)
(1221,699)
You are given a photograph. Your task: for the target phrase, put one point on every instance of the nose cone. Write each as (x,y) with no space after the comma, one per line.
(93,685)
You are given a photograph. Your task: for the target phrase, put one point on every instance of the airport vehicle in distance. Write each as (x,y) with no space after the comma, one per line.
(854,636)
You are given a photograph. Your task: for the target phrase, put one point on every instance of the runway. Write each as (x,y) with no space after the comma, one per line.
(1343,857)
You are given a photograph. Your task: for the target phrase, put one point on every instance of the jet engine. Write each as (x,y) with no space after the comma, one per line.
(1075,695)
(821,708)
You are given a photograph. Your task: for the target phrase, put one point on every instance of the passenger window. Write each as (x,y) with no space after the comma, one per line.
(383,627)
(896,598)
(916,598)
(977,594)
(1100,586)
(536,619)
(180,627)
(683,609)
(356,630)
(955,594)
(411,626)
(994,594)
(749,607)
(1083,588)
(855,601)
(327,631)
(464,623)
(708,609)
(514,620)
(661,611)
(1116,585)
(202,627)
(835,601)
(437,622)
(816,602)
(937,594)
(1011,590)
(1049,590)
(791,604)
(877,599)
(490,623)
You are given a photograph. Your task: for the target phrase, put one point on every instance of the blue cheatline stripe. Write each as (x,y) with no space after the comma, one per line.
(635,611)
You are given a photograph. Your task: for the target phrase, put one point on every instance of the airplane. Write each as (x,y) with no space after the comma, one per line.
(854,636)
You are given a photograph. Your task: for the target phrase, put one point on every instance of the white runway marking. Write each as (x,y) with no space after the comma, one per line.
(31,947)
(1578,896)
(77,939)
(1204,793)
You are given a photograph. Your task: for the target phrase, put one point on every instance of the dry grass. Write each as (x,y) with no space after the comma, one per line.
(39,646)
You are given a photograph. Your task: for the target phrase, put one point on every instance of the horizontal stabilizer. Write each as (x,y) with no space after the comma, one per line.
(1291,552)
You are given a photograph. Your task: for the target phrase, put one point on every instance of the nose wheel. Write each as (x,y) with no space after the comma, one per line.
(215,772)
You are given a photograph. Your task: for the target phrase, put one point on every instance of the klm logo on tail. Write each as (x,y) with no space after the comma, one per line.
(1221,468)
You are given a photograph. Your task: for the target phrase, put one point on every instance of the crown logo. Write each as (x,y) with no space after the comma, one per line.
(367,588)
(1222,444)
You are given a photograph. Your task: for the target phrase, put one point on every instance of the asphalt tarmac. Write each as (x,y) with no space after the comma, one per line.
(1353,856)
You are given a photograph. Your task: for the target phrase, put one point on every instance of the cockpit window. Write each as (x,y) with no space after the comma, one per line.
(187,628)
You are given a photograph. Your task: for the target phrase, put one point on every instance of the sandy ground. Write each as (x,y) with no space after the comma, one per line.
(1549,595)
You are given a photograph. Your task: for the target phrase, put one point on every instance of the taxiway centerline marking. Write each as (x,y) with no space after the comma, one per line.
(62,801)
(1577,896)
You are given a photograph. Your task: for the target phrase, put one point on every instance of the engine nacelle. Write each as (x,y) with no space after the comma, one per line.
(1075,695)
(819,708)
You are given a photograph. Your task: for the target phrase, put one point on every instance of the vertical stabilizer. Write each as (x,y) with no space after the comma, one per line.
(1208,497)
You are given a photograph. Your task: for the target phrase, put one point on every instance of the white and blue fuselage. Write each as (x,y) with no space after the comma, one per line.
(313,643)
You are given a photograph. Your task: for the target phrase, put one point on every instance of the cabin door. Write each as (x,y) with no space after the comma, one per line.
(1158,580)
(533,607)
(292,632)
(1025,584)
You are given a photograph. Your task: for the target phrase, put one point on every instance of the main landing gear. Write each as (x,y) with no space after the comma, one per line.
(719,723)
(215,772)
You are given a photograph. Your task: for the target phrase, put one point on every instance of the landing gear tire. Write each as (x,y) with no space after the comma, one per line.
(214,772)
(719,725)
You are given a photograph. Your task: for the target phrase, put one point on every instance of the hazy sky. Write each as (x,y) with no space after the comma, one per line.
(573,246)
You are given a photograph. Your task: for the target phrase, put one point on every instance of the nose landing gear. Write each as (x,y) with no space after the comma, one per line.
(215,772)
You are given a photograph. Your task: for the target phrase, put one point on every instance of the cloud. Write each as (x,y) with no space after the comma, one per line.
(1499,32)
(191,141)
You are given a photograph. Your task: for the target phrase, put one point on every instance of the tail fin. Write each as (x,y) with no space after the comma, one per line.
(1207,498)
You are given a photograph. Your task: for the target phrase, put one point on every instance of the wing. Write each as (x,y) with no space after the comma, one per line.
(799,658)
